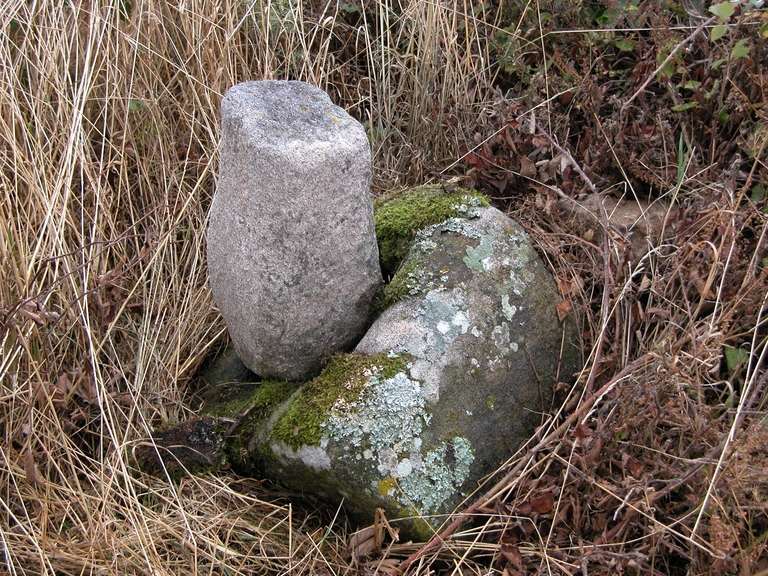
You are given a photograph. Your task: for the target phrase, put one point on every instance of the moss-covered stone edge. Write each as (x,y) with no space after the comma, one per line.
(264,395)
(254,410)
(400,215)
(342,380)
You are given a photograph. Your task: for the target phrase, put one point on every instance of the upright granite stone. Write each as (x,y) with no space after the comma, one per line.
(292,253)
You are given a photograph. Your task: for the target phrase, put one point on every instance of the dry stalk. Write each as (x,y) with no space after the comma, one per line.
(667,60)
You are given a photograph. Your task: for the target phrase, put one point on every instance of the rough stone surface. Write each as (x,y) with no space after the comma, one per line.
(445,384)
(292,252)
(639,221)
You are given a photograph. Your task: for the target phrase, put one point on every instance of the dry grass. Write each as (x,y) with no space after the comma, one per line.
(108,134)
(109,127)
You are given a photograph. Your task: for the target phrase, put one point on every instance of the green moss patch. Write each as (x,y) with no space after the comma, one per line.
(399,216)
(260,404)
(342,380)
(234,399)
(399,288)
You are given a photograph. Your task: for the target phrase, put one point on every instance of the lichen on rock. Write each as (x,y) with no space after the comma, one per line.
(339,384)
(362,429)
(402,214)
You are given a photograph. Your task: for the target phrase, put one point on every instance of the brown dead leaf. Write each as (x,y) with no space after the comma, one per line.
(510,144)
(59,394)
(527,167)
(359,537)
(512,554)
(370,539)
(563,513)
(634,467)
(31,309)
(524,509)
(701,286)
(544,503)
(582,431)
(146,248)
(122,398)
(658,312)
(360,547)
(563,309)
(593,456)
(78,415)
(87,392)
(565,287)
(571,286)
(30,469)
(598,522)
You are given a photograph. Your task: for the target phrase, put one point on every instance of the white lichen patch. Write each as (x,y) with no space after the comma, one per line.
(507,309)
(386,426)
(439,476)
(468,206)
(520,246)
(500,337)
(442,318)
(389,412)
(480,258)
(404,468)
(425,245)
(503,344)
(419,281)
(461,321)
(313,456)
(516,283)
(458,226)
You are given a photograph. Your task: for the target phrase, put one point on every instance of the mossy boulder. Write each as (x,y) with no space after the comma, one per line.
(452,376)
(475,310)
(360,432)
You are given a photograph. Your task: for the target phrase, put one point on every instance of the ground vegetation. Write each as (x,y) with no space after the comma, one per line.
(653,462)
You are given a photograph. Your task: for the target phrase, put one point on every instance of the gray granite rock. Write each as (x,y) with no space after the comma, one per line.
(292,252)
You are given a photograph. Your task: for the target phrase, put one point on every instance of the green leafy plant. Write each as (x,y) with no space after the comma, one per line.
(724,12)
